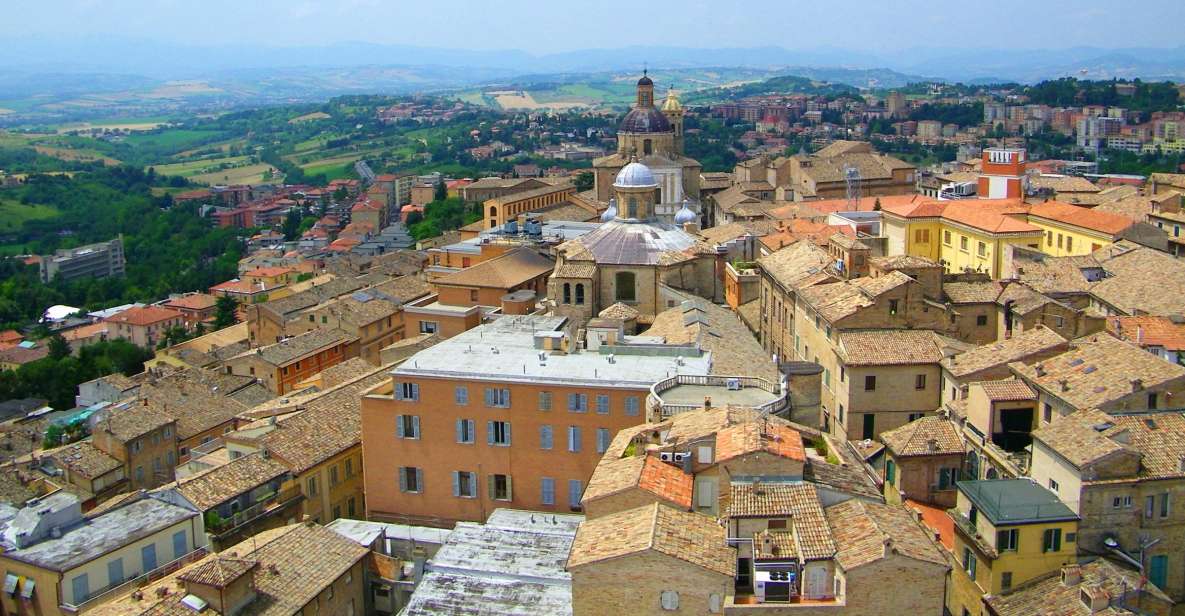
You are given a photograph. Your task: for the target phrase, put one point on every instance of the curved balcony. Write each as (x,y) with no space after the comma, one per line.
(688,392)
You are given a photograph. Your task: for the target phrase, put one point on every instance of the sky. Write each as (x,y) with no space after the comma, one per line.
(549,26)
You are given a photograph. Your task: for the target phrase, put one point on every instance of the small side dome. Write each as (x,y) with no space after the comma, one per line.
(645,80)
(685,215)
(635,175)
(611,212)
(672,102)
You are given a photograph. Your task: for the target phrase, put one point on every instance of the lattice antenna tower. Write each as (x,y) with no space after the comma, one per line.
(852,179)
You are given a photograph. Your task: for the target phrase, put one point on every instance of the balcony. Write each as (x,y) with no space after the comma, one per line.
(223,529)
(118,590)
(687,392)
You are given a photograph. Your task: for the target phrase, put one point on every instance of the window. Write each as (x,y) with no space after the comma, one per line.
(80,587)
(981,320)
(919,381)
(1047,412)
(407,426)
(498,433)
(1049,238)
(1006,540)
(1006,580)
(1152,400)
(333,479)
(464,484)
(1121,502)
(497,397)
(969,562)
(963,243)
(473,295)
(1158,570)
(466,431)
(947,477)
(545,400)
(892,306)
(870,383)
(500,487)
(312,486)
(411,479)
(350,508)
(1052,485)
(429,327)
(577,403)
(574,439)
(916,416)
(869,430)
(115,571)
(180,545)
(973,514)
(631,405)
(407,391)
(670,600)
(545,437)
(946,237)
(567,293)
(579,295)
(1052,540)
(624,283)
(1164,505)
(602,439)
(461,395)
(547,491)
(1149,506)
(981,249)
(349,464)
(602,404)
(1069,242)
(575,490)
(890,472)
(1059,240)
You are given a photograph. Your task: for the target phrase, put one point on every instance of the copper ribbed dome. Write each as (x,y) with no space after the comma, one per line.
(645,120)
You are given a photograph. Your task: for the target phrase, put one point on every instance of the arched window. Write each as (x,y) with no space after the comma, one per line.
(991,474)
(625,282)
(972,471)
(493,210)
(567,293)
(579,294)
(631,210)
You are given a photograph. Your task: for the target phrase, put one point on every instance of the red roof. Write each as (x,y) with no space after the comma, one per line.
(937,520)
(1087,218)
(146,315)
(666,480)
(747,438)
(197,301)
(268,272)
(1149,331)
(865,204)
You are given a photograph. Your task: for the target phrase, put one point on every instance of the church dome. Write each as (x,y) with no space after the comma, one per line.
(645,80)
(635,175)
(685,215)
(611,212)
(672,102)
(645,120)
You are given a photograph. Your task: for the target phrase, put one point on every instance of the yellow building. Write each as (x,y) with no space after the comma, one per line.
(970,235)
(1071,230)
(1006,532)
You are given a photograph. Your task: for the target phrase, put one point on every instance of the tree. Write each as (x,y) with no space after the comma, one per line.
(584,181)
(225,312)
(58,347)
(441,192)
(291,226)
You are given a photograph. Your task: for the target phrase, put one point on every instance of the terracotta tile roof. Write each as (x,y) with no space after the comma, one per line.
(1063,183)
(1031,343)
(1086,218)
(297,347)
(84,459)
(193,405)
(1148,331)
(220,484)
(718,330)
(774,544)
(723,233)
(863,532)
(1007,390)
(1048,595)
(143,316)
(867,204)
(995,219)
(576,269)
(1135,208)
(269,272)
(750,437)
(196,301)
(1082,438)
(615,475)
(218,572)
(625,312)
(502,272)
(1130,268)
(1098,370)
(915,438)
(85,332)
(892,347)
(902,262)
(1160,439)
(690,537)
(810,536)
(21,355)
(138,419)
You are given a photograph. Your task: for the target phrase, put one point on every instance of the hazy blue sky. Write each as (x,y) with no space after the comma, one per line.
(543,26)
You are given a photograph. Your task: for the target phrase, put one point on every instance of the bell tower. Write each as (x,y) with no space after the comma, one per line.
(645,91)
(673,110)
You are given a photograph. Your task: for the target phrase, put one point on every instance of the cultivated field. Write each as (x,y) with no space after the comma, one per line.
(78,154)
(520,99)
(249,174)
(309,117)
(13,214)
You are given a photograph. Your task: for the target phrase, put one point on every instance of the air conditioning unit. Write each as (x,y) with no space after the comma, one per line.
(682,455)
(666,456)
(733,384)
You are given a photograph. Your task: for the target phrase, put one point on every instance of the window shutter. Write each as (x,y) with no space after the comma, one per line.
(460,430)
(547,487)
(508,433)
(415,426)
(545,437)
(456,483)
(489,432)
(402,480)
(489,395)
(420,480)
(399,426)
(506,397)
(571,402)
(583,402)
(509,488)
(490,486)
(415,391)
(398,391)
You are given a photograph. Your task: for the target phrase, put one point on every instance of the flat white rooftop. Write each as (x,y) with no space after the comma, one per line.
(504,351)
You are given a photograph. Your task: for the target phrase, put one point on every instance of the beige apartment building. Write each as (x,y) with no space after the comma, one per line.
(515,413)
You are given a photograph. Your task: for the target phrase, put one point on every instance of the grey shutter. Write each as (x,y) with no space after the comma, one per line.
(508,433)
(583,402)
(399,426)
(509,488)
(398,391)
(571,402)
(420,480)
(490,486)
(489,432)
(456,483)
(415,426)
(489,396)
(415,391)
(402,480)
(460,430)
(545,437)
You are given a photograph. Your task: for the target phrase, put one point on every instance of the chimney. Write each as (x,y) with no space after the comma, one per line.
(932,445)
(707,402)
(1040,369)
(767,542)
(1137,384)
(1139,334)
(1065,385)
(889,549)
(1071,575)
(1094,598)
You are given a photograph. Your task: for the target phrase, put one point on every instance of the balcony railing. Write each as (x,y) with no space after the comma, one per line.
(118,590)
(776,406)
(265,507)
